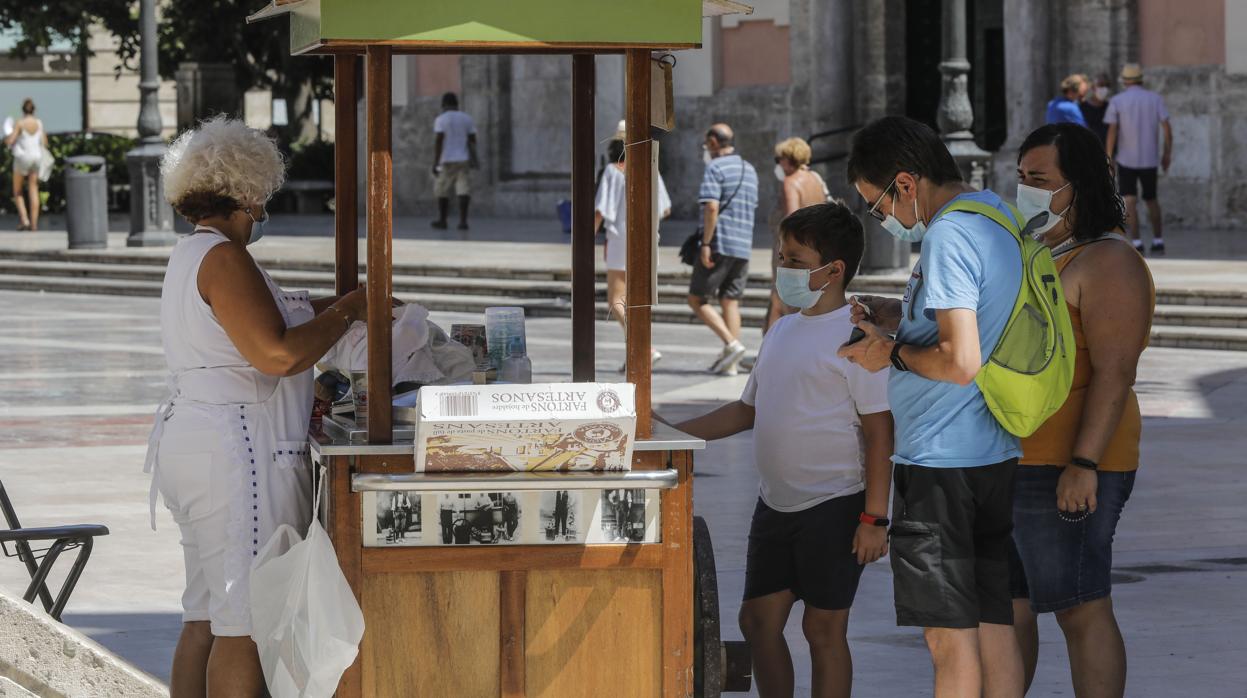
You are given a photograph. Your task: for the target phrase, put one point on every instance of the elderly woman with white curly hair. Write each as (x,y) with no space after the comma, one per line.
(228,451)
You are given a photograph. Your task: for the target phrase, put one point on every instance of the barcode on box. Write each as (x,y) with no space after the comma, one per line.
(458,405)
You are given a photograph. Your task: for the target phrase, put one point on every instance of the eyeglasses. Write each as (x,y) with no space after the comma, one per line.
(874,209)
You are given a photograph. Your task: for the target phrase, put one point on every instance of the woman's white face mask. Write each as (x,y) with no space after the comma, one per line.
(1034,202)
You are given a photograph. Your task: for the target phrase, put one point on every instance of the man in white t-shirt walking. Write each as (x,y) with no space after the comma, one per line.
(454,155)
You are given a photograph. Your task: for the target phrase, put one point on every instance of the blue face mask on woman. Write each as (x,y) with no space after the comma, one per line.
(257,227)
(793,286)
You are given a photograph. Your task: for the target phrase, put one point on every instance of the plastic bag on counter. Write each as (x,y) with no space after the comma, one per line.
(423,353)
(305,620)
(454,360)
(410,333)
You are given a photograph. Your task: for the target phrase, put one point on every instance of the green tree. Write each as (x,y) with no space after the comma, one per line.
(206,31)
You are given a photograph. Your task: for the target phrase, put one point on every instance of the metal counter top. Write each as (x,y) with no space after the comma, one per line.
(514,482)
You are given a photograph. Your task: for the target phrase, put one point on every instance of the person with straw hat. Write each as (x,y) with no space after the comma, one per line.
(1136,117)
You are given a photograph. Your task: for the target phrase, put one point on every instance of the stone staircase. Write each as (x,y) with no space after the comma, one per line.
(1187,318)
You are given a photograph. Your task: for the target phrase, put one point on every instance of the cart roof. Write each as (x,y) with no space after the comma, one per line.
(500,26)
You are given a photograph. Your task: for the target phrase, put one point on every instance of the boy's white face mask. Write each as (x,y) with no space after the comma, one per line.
(793,286)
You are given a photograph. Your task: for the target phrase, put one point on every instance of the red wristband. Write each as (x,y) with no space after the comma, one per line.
(872,520)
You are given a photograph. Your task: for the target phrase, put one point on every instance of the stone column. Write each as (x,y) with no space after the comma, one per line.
(1027,80)
(878,90)
(955,115)
(151,218)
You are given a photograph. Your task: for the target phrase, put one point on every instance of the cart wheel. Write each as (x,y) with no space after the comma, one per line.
(707,648)
(718,667)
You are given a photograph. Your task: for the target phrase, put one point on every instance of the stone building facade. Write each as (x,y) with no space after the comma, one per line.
(800,67)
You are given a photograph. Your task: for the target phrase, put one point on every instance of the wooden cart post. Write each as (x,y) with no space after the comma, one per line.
(584,293)
(380,243)
(638,173)
(345,175)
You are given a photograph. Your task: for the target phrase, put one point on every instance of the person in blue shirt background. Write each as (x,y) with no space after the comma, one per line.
(952,515)
(1064,108)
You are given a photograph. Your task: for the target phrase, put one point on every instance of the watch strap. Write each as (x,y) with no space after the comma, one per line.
(1085,463)
(897,362)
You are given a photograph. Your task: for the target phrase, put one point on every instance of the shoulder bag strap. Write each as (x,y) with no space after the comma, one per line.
(739,182)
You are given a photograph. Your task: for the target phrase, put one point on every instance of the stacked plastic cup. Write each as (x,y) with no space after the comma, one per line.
(502,325)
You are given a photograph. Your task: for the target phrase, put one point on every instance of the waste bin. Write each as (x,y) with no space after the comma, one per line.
(86,202)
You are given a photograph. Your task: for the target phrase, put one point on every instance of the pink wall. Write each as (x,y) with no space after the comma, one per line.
(1181,32)
(436,74)
(755,53)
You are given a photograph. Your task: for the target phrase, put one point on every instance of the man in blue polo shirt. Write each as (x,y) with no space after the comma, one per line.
(1064,108)
(952,516)
(728,196)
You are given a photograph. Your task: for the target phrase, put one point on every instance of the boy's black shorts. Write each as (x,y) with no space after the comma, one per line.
(809,552)
(951,537)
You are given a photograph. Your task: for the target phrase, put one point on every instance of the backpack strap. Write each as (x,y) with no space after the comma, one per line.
(1009,223)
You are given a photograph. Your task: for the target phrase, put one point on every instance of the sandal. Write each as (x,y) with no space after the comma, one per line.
(23,226)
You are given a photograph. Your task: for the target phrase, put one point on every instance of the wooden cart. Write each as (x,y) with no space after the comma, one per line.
(634,619)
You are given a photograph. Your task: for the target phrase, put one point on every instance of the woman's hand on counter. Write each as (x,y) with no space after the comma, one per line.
(354,304)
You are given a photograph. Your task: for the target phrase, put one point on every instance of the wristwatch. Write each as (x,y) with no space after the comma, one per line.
(872,520)
(897,362)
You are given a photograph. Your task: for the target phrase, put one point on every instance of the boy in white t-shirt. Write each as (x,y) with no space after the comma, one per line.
(822,444)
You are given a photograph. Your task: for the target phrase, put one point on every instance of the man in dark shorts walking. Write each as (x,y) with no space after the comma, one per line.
(954,463)
(1136,118)
(729,197)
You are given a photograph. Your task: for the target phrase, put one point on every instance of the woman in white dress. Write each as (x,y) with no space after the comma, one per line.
(27,142)
(611,211)
(228,452)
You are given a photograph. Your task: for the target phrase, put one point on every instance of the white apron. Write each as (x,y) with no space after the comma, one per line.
(229,448)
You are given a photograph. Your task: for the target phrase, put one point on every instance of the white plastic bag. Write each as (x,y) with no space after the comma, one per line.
(304,618)
(410,334)
(46,163)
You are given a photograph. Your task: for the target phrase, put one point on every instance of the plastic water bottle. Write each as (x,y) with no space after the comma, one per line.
(516,368)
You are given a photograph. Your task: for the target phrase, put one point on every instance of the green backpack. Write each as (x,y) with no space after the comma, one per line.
(1028,375)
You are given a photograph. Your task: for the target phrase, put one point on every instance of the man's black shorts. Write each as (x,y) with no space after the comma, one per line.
(808,552)
(1129,179)
(950,545)
(727,280)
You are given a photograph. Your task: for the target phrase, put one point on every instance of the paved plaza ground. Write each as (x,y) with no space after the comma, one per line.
(81,376)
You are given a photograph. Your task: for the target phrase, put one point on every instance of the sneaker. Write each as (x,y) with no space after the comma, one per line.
(728,358)
(654,357)
(747,363)
(1158,248)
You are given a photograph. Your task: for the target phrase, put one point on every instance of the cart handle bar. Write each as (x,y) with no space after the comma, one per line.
(513,482)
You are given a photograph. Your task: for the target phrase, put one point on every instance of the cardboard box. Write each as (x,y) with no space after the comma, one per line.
(543,427)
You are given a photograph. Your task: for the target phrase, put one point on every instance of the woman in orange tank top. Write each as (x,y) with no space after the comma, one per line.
(1077,471)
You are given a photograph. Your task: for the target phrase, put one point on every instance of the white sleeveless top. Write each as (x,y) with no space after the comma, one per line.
(193,338)
(28,146)
(211,384)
